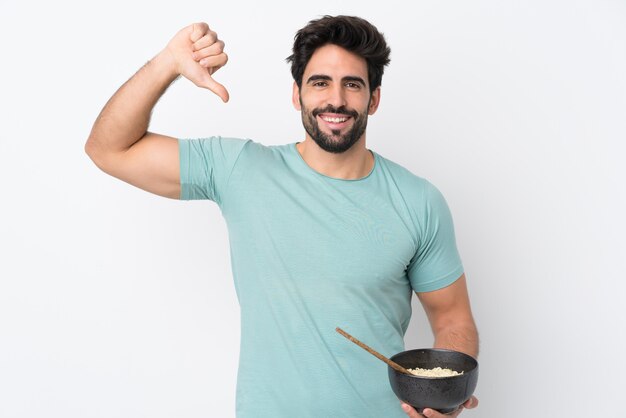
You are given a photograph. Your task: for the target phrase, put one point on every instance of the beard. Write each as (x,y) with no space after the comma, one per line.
(335,143)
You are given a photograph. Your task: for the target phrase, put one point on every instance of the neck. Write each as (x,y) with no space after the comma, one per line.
(353,164)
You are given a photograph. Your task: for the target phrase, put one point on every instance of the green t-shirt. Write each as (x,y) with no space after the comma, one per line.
(311,253)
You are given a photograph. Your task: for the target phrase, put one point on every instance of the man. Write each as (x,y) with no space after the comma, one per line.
(323,232)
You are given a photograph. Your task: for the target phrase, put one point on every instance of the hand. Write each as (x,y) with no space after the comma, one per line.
(431,413)
(197,54)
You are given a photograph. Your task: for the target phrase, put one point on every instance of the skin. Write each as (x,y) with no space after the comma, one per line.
(431,413)
(336,77)
(450,317)
(121,145)
(329,79)
(119,142)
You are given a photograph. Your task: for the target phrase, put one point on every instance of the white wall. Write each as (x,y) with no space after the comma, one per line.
(117,303)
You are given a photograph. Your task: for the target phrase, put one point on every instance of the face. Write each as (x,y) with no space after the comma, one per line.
(335,98)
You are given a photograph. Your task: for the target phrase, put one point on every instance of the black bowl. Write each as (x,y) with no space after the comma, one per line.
(444,394)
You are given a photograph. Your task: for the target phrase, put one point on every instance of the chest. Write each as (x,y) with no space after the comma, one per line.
(317,230)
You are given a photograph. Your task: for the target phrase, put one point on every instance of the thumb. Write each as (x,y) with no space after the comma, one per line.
(203,79)
(217,88)
(411,412)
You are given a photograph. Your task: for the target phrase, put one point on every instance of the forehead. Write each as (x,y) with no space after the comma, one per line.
(335,61)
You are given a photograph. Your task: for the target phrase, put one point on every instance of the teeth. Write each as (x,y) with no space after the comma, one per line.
(335,120)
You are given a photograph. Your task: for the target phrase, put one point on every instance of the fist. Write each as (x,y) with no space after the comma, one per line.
(197,54)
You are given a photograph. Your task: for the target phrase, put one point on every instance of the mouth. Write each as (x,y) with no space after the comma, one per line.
(335,121)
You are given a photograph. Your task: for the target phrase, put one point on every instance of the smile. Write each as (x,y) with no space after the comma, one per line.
(335,121)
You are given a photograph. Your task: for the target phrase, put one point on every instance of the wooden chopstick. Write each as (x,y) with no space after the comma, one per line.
(375,353)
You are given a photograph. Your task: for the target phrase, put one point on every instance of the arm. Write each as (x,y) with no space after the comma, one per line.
(119,142)
(450,316)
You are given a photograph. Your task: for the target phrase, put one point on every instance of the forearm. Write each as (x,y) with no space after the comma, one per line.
(125,118)
(459,337)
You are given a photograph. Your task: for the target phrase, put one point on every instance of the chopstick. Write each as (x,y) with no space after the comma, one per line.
(373,352)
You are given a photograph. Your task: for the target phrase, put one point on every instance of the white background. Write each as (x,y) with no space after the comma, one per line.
(118,303)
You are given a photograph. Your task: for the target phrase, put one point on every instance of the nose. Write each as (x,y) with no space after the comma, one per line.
(336,96)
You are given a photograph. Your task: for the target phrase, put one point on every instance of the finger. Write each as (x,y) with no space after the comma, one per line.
(471,402)
(198,30)
(215,62)
(208,38)
(431,413)
(410,411)
(215,49)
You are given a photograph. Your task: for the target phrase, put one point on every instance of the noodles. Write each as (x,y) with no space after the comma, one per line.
(436,372)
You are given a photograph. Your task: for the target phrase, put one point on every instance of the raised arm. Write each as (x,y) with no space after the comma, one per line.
(120,144)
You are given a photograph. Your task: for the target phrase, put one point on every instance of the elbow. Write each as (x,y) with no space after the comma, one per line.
(95,152)
(91,149)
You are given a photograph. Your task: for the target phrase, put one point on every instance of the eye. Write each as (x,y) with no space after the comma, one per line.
(320,84)
(353,85)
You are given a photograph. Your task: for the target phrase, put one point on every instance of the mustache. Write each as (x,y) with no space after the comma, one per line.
(343,110)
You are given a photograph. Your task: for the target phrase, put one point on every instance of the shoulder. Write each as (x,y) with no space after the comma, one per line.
(212,145)
(261,153)
(413,186)
(232,145)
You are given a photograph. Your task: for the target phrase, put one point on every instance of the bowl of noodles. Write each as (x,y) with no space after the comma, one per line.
(440,379)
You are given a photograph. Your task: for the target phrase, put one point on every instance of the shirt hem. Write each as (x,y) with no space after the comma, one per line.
(445,281)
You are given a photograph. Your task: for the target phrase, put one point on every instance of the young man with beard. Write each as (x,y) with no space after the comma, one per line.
(323,232)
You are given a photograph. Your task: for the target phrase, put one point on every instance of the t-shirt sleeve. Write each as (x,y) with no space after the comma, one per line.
(206,165)
(436,263)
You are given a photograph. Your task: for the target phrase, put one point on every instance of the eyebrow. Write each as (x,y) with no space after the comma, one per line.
(324,77)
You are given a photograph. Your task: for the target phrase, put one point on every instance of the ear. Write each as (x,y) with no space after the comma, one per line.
(295,97)
(374,101)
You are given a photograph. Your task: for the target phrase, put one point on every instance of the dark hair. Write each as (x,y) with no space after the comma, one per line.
(349,32)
